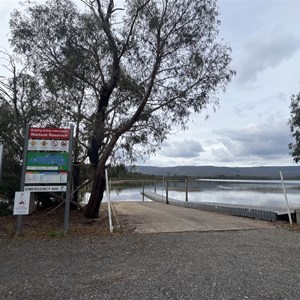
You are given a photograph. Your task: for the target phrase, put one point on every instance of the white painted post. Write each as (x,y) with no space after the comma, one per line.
(108,202)
(286,199)
(143,197)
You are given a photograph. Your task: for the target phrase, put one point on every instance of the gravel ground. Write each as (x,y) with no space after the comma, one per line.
(250,264)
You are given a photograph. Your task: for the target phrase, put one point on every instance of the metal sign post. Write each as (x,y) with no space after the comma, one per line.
(108,202)
(47,165)
(20,217)
(68,194)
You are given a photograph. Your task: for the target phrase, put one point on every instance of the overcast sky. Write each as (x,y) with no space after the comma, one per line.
(250,126)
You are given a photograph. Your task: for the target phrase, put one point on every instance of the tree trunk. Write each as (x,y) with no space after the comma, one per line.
(98,188)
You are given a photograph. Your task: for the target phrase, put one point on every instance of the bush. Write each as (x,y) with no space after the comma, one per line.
(5,208)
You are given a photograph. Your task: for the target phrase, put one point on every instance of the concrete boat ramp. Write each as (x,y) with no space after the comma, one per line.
(155,217)
(266,213)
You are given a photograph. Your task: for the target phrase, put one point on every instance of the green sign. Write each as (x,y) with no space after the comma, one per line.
(47,161)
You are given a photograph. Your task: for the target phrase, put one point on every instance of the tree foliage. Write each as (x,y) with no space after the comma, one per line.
(294,123)
(138,76)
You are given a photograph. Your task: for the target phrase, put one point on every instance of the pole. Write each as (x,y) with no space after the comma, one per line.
(186,191)
(22,185)
(286,199)
(167,191)
(143,197)
(69,179)
(108,202)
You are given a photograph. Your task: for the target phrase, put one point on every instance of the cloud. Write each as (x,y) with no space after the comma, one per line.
(187,148)
(262,106)
(264,142)
(265,52)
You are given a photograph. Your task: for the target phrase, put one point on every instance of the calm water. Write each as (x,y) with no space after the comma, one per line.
(248,192)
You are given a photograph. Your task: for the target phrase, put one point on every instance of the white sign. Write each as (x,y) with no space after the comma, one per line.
(21,203)
(42,168)
(46,177)
(48,145)
(39,188)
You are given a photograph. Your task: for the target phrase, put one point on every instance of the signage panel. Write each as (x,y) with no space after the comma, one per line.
(49,133)
(46,177)
(44,188)
(48,145)
(46,160)
(21,203)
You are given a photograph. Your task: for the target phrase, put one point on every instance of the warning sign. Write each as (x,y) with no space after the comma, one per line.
(48,145)
(21,203)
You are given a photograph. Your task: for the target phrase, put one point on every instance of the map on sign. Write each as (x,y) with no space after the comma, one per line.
(47,161)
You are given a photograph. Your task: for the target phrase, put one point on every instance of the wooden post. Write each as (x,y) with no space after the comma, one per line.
(154,185)
(167,191)
(186,191)
(143,197)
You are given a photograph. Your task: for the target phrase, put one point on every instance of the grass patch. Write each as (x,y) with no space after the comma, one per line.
(55,234)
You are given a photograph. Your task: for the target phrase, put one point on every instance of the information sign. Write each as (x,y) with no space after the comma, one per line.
(46,177)
(48,145)
(41,188)
(47,161)
(21,203)
(49,133)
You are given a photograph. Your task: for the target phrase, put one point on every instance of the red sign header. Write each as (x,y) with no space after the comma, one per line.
(49,133)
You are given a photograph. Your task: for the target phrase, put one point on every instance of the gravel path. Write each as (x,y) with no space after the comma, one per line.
(250,264)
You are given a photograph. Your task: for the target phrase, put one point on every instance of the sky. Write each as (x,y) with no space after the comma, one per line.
(250,126)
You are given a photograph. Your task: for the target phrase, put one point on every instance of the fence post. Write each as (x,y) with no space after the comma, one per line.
(167,191)
(186,191)
(143,198)
(286,199)
(162,190)
(154,185)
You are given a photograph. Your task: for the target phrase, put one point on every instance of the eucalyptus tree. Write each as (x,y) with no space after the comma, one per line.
(20,97)
(145,67)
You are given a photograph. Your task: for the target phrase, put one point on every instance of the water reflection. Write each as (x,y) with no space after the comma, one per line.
(250,192)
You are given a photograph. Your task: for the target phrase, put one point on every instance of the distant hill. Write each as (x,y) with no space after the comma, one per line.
(289,172)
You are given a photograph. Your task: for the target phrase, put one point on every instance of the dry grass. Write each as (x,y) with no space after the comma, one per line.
(39,225)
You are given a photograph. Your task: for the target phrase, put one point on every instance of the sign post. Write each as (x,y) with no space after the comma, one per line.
(68,194)
(47,165)
(20,217)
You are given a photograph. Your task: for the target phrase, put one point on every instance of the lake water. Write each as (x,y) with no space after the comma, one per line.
(247,192)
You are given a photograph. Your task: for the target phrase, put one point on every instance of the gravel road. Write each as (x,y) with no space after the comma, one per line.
(248,264)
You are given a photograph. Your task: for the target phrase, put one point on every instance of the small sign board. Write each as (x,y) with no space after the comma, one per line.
(21,203)
(47,161)
(48,145)
(49,133)
(42,188)
(46,177)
